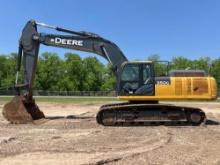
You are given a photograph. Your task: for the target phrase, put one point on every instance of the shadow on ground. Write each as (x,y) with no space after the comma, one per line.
(67,117)
(212,122)
(133,124)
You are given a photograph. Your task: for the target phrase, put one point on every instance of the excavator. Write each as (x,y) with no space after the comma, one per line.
(137,82)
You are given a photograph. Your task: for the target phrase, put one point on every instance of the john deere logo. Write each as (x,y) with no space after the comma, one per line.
(67,41)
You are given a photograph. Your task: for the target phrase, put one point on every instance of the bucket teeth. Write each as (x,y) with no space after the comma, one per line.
(18,112)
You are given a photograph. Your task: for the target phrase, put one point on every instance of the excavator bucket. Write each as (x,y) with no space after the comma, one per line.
(19,112)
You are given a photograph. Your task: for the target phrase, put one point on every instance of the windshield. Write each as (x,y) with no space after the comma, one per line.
(130,73)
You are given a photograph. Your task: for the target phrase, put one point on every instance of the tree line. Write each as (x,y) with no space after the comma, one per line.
(72,73)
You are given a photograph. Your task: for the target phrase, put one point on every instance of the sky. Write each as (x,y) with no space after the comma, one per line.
(170,28)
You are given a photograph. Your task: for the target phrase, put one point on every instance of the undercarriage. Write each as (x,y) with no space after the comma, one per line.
(149,114)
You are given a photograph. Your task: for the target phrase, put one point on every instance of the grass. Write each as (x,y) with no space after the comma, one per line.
(67,100)
(75,100)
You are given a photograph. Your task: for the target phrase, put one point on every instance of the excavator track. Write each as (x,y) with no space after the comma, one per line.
(130,114)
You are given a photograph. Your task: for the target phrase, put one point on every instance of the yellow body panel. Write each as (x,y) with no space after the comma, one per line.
(182,88)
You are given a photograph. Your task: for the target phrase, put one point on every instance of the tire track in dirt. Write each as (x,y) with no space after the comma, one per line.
(131,153)
(100,158)
(189,145)
(82,141)
(146,146)
(47,140)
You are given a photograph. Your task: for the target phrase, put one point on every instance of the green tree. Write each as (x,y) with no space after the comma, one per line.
(160,67)
(3,70)
(216,70)
(181,63)
(7,71)
(93,70)
(154,57)
(109,79)
(49,72)
(202,63)
(74,73)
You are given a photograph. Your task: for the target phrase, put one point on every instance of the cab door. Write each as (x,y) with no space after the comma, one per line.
(137,80)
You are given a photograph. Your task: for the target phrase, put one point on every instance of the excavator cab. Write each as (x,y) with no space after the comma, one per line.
(137,79)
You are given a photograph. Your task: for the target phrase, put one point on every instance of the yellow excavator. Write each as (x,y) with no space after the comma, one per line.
(136,83)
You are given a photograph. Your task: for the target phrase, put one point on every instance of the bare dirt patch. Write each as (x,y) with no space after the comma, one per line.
(71,135)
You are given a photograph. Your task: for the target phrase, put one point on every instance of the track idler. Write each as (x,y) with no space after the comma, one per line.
(18,111)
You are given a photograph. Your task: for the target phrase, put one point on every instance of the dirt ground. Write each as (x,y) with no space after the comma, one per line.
(71,136)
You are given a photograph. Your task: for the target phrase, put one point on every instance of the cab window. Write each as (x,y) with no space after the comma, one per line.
(146,72)
(130,73)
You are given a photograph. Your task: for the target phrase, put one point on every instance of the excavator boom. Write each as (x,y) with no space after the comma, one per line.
(22,108)
(84,41)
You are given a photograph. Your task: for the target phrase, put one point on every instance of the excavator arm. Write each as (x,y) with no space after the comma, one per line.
(30,41)
(22,109)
